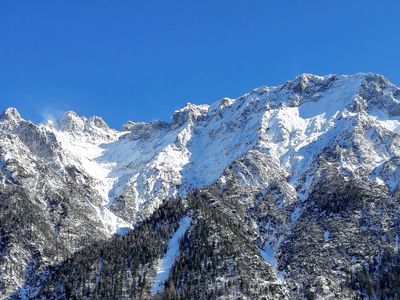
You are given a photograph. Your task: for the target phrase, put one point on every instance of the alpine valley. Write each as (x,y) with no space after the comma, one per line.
(287,192)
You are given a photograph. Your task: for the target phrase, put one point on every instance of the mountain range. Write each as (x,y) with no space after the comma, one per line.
(287,192)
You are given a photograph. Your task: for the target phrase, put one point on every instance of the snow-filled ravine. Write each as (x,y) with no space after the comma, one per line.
(165,264)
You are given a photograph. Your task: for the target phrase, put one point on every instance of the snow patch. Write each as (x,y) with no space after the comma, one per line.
(296,214)
(165,264)
(111,222)
(268,254)
(390,123)
(123,231)
(327,235)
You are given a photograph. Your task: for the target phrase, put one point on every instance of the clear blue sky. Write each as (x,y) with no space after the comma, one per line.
(141,60)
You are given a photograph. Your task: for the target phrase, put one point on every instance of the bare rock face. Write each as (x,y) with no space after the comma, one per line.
(292,192)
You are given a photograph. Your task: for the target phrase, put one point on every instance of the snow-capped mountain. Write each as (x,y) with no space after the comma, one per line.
(275,164)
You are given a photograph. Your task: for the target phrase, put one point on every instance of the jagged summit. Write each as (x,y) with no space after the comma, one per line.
(11,114)
(71,122)
(189,113)
(292,93)
(301,86)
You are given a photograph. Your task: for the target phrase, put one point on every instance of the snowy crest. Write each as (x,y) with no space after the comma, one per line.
(352,117)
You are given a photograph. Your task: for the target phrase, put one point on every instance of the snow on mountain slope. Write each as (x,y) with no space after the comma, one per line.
(293,133)
(81,140)
(137,168)
(291,123)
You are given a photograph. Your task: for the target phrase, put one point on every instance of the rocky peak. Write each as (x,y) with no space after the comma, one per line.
(300,83)
(72,122)
(127,126)
(379,94)
(11,114)
(143,130)
(97,122)
(221,104)
(75,124)
(189,113)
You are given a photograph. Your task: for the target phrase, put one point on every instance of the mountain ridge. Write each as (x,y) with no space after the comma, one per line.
(270,162)
(282,100)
